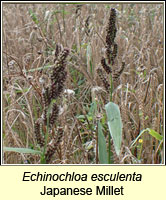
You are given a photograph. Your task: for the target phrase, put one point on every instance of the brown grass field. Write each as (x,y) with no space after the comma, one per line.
(55,87)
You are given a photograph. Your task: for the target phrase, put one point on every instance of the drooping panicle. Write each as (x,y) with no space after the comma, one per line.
(108,60)
(51,93)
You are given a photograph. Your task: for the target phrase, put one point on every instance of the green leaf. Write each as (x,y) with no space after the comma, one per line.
(40,68)
(155,134)
(92,109)
(89,58)
(80,117)
(114,124)
(91,67)
(61,11)
(21,150)
(89,117)
(103,157)
(33,16)
(151,132)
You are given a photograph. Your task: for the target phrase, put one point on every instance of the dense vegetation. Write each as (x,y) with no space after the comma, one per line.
(62,63)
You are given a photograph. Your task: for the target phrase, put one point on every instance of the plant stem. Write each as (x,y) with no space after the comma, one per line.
(111,88)
(109,137)
(97,158)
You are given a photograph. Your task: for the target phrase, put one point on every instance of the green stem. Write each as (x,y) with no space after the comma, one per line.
(110,161)
(111,88)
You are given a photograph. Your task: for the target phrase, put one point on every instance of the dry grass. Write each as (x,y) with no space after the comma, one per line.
(30,35)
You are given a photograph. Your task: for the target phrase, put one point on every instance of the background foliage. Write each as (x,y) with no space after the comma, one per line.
(30,34)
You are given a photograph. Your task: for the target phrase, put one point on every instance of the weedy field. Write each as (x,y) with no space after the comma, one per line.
(83,84)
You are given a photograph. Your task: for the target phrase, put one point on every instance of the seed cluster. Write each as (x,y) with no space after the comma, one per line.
(54,114)
(105,66)
(50,93)
(114,53)
(56,87)
(38,135)
(117,74)
(111,46)
(111,53)
(53,145)
(103,79)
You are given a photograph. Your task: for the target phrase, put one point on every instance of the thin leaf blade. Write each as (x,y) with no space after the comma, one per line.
(21,150)
(155,134)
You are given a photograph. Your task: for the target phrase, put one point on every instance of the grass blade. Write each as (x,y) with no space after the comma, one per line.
(155,134)
(151,132)
(22,150)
